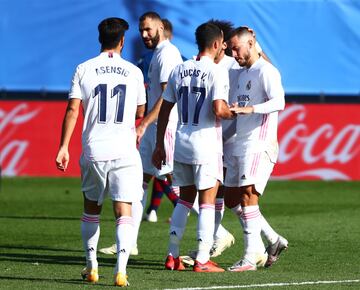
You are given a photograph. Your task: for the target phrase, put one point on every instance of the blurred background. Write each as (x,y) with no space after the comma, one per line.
(314,44)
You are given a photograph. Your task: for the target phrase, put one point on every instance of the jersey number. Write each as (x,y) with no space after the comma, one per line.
(200,94)
(119,91)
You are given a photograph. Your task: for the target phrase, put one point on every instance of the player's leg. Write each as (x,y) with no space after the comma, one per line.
(124,183)
(178,223)
(172,191)
(90,233)
(156,196)
(124,240)
(183,177)
(93,183)
(242,198)
(223,239)
(207,180)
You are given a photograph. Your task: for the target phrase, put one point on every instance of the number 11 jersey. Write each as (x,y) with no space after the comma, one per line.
(110,88)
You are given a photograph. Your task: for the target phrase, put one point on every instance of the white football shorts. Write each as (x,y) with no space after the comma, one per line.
(228,153)
(250,169)
(203,176)
(121,179)
(147,147)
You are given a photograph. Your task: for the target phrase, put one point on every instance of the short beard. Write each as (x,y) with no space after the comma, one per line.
(154,41)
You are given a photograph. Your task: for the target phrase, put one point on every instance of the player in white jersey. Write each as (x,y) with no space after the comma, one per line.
(200,90)
(260,96)
(222,238)
(111,93)
(165,57)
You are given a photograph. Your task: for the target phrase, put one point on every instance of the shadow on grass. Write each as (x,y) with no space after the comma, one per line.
(77,259)
(64,281)
(10,247)
(48,218)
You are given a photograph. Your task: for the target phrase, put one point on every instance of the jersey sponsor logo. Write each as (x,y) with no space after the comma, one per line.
(243,100)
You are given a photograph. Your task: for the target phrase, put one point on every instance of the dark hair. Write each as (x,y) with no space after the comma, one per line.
(167,25)
(226,27)
(111,30)
(150,14)
(241,31)
(206,34)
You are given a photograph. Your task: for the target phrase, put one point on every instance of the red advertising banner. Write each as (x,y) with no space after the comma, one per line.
(30,136)
(316,141)
(319,141)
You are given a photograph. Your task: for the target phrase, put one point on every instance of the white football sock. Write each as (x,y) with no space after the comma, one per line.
(205,233)
(219,231)
(124,242)
(90,233)
(237,210)
(177,226)
(270,235)
(137,210)
(195,207)
(253,243)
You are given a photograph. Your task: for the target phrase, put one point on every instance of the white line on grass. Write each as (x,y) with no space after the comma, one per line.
(269,285)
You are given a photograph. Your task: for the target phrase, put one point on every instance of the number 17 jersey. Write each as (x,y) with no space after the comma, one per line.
(194,85)
(110,88)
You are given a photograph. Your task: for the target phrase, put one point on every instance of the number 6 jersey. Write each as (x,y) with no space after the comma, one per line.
(110,88)
(194,85)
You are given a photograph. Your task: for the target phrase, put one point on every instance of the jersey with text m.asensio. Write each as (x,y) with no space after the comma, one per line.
(194,85)
(259,86)
(110,88)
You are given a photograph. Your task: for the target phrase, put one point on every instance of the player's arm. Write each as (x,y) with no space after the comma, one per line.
(151,116)
(271,81)
(69,122)
(222,110)
(140,111)
(159,154)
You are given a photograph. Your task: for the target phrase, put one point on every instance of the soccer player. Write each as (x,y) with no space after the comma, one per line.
(111,92)
(260,96)
(165,57)
(222,238)
(200,89)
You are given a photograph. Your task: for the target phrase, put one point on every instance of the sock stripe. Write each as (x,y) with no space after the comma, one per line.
(219,206)
(90,219)
(124,220)
(207,205)
(251,215)
(185,203)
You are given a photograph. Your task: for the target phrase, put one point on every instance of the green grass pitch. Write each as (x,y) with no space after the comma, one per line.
(40,243)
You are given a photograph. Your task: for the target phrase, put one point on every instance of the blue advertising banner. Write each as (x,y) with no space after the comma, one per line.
(314,43)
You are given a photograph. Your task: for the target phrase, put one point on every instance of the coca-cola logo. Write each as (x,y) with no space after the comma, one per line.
(12,149)
(324,145)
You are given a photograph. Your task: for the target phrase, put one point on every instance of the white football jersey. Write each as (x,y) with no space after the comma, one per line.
(194,85)
(166,56)
(229,126)
(259,86)
(110,88)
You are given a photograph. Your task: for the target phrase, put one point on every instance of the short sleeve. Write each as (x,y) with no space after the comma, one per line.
(170,92)
(221,84)
(75,89)
(141,98)
(169,58)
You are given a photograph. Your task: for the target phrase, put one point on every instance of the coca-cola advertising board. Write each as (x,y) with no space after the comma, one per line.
(317,141)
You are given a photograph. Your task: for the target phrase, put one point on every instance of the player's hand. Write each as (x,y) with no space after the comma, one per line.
(159,157)
(241,110)
(62,159)
(140,131)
